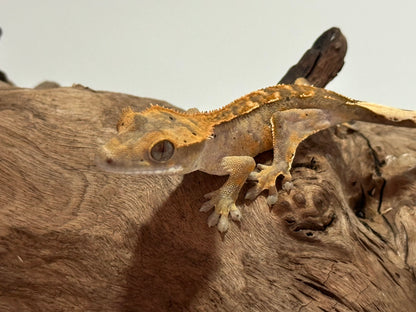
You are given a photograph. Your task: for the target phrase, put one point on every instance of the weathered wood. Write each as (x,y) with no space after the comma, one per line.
(3,76)
(74,238)
(322,62)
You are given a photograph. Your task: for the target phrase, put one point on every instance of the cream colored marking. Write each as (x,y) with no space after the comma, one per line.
(252,104)
(272,126)
(305,95)
(272,101)
(276,97)
(261,92)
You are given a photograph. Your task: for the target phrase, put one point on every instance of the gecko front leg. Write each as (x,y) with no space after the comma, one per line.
(289,129)
(223,200)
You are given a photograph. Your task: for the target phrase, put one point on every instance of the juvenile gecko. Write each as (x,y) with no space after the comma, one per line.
(223,142)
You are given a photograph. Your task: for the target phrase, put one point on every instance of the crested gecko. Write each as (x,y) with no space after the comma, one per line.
(223,142)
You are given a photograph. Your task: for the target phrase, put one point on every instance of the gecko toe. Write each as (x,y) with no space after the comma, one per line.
(210,194)
(271,200)
(288,186)
(262,167)
(213,219)
(235,214)
(207,206)
(253,176)
(272,197)
(223,224)
(252,193)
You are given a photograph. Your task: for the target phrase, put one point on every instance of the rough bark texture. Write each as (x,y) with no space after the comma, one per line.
(74,238)
(322,62)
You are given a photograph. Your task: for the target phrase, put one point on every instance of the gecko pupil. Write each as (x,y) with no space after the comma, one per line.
(162,151)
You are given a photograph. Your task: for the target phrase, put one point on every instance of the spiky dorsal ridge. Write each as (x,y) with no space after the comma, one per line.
(125,112)
(250,102)
(238,107)
(156,107)
(246,103)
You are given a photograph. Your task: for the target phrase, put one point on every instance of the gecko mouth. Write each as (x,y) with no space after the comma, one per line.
(138,171)
(105,161)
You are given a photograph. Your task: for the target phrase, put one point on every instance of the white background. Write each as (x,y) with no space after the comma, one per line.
(206,53)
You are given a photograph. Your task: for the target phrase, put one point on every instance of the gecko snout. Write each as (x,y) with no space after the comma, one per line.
(103,158)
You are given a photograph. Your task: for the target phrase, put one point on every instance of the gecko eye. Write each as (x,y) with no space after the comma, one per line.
(162,151)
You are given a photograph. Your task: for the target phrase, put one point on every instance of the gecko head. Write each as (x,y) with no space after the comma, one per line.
(156,141)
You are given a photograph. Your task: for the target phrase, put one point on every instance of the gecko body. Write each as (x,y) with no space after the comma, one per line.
(224,142)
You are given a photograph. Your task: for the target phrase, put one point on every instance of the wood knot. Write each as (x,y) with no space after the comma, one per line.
(307,211)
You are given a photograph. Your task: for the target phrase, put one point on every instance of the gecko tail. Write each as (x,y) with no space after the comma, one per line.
(376,113)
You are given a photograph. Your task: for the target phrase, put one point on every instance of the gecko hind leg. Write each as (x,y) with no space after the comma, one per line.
(289,129)
(223,199)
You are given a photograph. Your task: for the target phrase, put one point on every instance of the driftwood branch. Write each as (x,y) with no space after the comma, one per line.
(3,76)
(322,62)
(73,238)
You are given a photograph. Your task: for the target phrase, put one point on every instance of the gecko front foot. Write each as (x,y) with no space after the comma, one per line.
(265,180)
(223,206)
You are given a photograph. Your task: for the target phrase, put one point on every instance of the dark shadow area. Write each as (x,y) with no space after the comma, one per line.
(168,269)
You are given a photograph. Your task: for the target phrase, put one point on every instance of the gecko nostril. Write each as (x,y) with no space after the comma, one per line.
(109,160)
